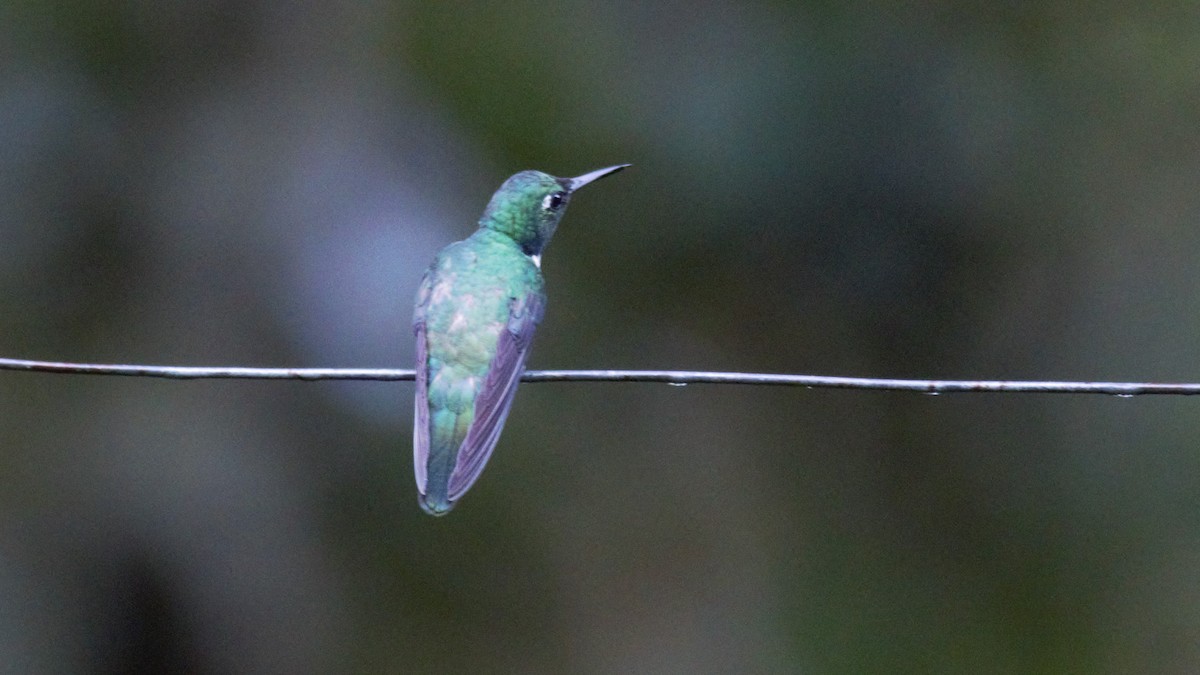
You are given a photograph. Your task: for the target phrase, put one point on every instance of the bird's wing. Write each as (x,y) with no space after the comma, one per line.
(496,394)
(421,402)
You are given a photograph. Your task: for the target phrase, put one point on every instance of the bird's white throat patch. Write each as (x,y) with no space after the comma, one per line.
(537,260)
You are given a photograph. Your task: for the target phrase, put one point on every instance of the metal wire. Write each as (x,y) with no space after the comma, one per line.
(674,377)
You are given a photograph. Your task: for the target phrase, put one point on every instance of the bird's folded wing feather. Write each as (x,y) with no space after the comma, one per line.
(496,394)
(421,402)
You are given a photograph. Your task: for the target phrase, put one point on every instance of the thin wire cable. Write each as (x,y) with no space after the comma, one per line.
(673,377)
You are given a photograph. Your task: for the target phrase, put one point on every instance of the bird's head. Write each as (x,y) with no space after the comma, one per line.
(528,206)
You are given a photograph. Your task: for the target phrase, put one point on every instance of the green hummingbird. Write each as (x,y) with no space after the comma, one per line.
(476,311)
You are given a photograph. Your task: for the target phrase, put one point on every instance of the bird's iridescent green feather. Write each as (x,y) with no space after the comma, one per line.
(476,312)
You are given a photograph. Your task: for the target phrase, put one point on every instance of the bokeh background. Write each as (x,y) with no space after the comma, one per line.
(933,189)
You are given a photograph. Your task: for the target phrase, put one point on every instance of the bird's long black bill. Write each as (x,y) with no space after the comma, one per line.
(579,181)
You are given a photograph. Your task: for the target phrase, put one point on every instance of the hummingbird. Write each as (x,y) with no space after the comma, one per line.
(477,308)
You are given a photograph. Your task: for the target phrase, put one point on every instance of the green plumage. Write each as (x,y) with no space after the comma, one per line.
(477,308)
(472,284)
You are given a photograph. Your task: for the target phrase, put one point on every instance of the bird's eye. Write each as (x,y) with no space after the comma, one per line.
(554,201)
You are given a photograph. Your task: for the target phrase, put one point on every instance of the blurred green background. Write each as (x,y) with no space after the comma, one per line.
(936,189)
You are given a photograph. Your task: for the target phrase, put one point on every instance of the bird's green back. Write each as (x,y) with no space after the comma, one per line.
(470,291)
